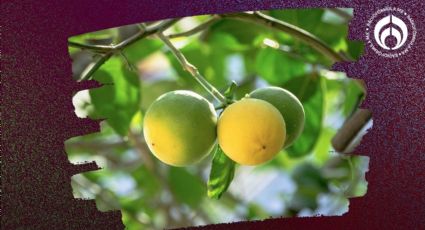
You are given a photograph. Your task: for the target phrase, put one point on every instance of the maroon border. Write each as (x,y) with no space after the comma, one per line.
(37,114)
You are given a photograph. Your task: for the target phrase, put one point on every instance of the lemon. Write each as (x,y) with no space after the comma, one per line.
(251,131)
(180,128)
(289,107)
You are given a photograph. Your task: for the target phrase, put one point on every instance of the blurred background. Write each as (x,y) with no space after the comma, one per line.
(310,178)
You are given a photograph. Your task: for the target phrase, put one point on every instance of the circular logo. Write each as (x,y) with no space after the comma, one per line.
(390,32)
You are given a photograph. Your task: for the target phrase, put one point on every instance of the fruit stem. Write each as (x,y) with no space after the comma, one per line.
(221,106)
(187,66)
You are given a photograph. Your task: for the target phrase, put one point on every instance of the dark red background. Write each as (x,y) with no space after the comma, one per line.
(37,114)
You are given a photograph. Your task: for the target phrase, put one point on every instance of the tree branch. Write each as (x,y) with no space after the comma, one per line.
(93,67)
(187,66)
(110,50)
(350,129)
(305,36)
(140,35)
(196,29)
(302,35)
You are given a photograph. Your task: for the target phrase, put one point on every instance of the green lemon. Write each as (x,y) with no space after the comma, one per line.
(289,107)
(180,127)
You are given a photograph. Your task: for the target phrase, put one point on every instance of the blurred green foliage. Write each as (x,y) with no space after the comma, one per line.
(306,179)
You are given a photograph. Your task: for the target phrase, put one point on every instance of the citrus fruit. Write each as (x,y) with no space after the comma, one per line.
(180,127)
(289,107)
(251,131)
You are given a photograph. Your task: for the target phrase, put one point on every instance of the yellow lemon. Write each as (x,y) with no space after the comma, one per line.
(180,127)
(251,131)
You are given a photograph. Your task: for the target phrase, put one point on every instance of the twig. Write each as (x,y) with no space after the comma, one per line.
(187,66)
(129,65)
(196,29)
(218,107)
(95,66)
(141,34)
(98,48)
(110,50)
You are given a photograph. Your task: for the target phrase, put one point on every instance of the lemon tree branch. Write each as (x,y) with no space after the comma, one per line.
(106,51)
(302,35)
(187,66)
(95,66)
(296,32)
(350,129)
(198,28)
(139,35)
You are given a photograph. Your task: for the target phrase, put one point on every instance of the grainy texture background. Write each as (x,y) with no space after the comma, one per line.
(37,114)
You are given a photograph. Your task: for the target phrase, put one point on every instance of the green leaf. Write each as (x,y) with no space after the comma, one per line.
(250,57)
(94,37)
(221,175)
(226,41)
(353,93)
(244,32)
(256,212)
(141,49)
(323,146)
(210,61)
(152,90)
(119,99)
(276,67)
(307,19)
(311,20)
(355,49)
(331,34)
(310,91)
(310,183)
(147,182)
(187,188)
